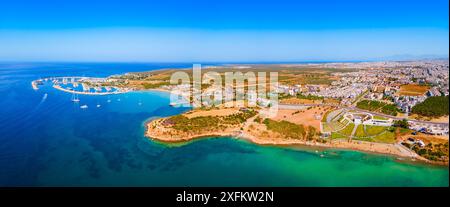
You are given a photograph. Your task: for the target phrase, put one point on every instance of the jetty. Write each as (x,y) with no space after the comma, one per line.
(87,92)
(35,84)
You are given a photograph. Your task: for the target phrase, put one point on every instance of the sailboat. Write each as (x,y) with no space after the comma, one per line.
(75,97)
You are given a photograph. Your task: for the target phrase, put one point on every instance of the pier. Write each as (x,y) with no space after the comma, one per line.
(88,92)
(35,84)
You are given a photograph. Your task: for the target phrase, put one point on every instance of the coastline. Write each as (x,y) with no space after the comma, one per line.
(296,143)
(361,146)
(368,147)
(396,149)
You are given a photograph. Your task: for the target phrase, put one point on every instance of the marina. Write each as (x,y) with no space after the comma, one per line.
(80,85)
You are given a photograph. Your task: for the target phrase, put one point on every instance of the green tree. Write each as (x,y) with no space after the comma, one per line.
(401,123)
(434,106)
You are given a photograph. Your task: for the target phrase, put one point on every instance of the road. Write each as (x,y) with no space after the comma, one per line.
(302,106)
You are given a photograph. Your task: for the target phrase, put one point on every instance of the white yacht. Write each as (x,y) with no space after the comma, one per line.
(75,97)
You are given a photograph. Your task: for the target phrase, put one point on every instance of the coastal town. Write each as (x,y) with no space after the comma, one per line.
(372,106)
(381,107)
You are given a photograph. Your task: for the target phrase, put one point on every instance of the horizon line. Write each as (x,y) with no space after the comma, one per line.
(228,62)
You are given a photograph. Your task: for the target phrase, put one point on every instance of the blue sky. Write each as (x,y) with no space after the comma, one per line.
(174,31)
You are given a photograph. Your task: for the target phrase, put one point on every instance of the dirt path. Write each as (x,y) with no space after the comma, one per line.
(354,130)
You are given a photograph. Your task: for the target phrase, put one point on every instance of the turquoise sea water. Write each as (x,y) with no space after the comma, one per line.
(52,142)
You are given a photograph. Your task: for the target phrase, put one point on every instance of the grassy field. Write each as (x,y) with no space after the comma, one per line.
(359,131)
(347,131)
(378,106)
(379,117)
(332,126)
(288,129)
(366,133)
(309,77)
(403,131)
(374,134)
(413,90)
(386,137)
(374,130)
(326,127)
(335,135)
(331,101)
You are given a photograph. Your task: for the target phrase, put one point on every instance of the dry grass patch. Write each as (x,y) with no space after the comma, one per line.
(413,90)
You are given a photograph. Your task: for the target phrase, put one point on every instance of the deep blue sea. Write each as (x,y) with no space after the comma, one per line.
(52,142)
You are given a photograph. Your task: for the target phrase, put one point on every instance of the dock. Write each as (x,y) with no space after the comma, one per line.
(87,92)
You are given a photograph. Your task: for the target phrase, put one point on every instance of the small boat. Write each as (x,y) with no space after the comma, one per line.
(84,107)
(109,101)
(75,97)
(45,96)
(98,105)
(118,99)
